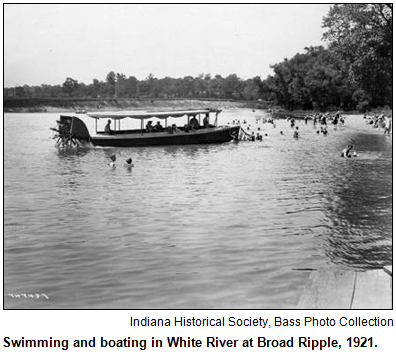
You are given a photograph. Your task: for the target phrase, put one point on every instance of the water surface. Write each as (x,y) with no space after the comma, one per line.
(201,226)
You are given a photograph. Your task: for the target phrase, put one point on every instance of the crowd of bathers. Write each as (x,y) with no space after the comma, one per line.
(379,121)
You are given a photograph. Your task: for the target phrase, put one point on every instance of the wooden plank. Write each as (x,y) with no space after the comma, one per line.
(388,270)
(328,289)
(373,290)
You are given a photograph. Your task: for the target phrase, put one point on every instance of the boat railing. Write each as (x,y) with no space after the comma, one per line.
(144,131)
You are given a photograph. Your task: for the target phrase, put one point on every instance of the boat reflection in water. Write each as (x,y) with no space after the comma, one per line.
(73,131)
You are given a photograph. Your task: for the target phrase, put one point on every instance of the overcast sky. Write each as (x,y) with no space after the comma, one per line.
(44,44)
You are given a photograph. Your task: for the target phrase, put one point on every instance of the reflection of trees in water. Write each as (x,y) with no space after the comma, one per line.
(360,210)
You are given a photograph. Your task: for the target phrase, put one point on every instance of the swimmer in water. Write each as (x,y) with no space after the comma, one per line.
(345,152)
(112,160)
(128,164)
(295,134)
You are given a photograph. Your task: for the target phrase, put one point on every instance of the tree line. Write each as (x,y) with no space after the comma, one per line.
(354,71)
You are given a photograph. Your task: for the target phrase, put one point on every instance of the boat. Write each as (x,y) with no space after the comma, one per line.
(73,131)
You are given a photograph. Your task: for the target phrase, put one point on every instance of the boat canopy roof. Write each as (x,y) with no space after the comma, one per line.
(147,115)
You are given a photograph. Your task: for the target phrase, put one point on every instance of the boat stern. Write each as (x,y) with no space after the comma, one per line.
(71,131)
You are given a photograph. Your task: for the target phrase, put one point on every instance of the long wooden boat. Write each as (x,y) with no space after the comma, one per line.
(72,130)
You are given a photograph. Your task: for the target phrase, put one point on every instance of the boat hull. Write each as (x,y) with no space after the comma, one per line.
(202,136)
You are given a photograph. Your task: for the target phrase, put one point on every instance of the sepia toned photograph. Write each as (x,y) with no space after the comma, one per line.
(197,156)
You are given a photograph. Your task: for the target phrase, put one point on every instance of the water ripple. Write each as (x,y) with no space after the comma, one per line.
(219,226)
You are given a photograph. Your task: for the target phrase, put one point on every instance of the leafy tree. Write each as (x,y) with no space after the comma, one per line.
(232,87)
(94,88)
(110,83)
(362,34)
(132,87)
(251,90)
(70,86)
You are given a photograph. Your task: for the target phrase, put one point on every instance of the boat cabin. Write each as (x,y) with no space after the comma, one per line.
(195,120)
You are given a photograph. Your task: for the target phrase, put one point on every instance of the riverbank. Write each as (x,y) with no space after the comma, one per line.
(280,112)
(338,288)
(56,105)
(36,105)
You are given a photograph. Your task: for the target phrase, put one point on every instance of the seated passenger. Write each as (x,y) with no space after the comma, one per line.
(206,121)
(149,126)
(107,128)
(175,129)
(194,124)
(158,127)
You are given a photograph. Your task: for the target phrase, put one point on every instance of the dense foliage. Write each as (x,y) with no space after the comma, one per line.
(355,71)
(118,85)
(362,35)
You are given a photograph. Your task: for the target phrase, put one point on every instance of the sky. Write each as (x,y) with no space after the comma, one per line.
(45,44)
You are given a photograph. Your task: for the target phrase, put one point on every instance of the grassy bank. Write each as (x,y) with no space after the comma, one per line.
(72,105)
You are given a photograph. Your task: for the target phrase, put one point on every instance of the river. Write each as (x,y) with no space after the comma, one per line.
(229,226)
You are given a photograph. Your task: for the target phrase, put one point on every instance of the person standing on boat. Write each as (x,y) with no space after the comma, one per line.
(107,128)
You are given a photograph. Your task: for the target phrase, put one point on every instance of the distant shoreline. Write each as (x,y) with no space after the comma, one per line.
(82,105)
(54,105)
